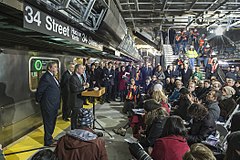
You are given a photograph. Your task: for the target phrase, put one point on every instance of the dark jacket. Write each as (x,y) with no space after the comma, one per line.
(48,92)
(108,77)
(201,129)
(227,106)
(186,76)
(168,74)
(174,96)
(81,144)
(183,104)
(153,132)
(176,73)
(131,70)
(146,72)
(65,89)
(76,87)
(170,148)
(213,110)
(160,75)
(152,104)
(146,88)
(99,76)
(204,93)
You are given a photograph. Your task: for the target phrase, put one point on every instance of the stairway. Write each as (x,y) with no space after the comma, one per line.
(168,54)
(170,58)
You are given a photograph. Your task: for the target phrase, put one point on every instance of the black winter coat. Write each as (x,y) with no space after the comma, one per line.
(201,129)
(183,104)
(153,132)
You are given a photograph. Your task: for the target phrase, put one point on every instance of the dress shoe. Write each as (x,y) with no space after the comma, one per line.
(99,134)
(108,101)
(121,131)
(54,144)
(66,119)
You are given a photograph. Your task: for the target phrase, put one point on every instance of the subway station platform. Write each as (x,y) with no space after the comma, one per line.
(109,116)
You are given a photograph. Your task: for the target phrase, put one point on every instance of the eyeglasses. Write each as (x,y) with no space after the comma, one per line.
(210,93)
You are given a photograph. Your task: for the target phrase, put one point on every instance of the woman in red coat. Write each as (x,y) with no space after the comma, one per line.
(123,78)
(172,145)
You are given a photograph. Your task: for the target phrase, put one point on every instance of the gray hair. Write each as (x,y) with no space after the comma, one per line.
(50,64)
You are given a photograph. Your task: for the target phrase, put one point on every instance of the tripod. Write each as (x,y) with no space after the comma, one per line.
(93,94)
(95,120)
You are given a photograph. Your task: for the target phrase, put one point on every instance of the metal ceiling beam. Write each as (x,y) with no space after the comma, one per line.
(200,14)
(218,20)
(235,8)
(160,18)
(193,3)
(119,5)
(173,10)
(180,3)
(164,5)
(136,4)
(131,16)
(221,4)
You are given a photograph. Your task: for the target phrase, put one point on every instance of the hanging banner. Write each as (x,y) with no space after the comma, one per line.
(39,21)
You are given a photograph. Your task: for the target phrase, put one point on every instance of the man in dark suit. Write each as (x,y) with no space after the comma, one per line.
(77,85)
(48,95)
(65,91)
(108,80)
(131,69)
(186,73)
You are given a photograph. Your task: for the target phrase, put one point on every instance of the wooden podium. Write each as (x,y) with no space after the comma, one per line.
(95,94)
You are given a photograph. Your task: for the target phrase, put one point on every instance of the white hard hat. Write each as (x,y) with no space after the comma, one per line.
(214,53)
(208,46)
(192,46)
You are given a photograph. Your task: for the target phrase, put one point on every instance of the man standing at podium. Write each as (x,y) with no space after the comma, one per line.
(77,85)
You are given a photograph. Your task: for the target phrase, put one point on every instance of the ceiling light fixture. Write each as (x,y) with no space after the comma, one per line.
(219,31)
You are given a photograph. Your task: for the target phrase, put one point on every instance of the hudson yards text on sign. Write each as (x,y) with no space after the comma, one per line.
(41,22)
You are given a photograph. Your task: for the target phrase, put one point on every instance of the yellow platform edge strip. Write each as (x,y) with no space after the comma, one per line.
(34,140)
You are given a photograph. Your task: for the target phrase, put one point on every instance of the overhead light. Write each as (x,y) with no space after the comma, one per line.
(81,48)
(211,31)
(58,39)
(219,31)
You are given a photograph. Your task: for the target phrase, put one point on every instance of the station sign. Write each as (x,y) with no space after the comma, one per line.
(39,21)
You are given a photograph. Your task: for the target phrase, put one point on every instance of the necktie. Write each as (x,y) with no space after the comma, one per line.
(56,81)
(80,78)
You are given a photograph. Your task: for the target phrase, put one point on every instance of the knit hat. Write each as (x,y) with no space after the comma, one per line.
(234,140)
(85,117)
(229,90)
(157,87)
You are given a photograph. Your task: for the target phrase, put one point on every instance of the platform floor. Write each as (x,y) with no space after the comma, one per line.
(108,115)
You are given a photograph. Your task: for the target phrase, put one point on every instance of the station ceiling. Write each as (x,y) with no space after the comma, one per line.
(179,13)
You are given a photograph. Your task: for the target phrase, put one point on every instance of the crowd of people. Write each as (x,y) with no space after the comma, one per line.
(194,46)
(180,107)
(180,110)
